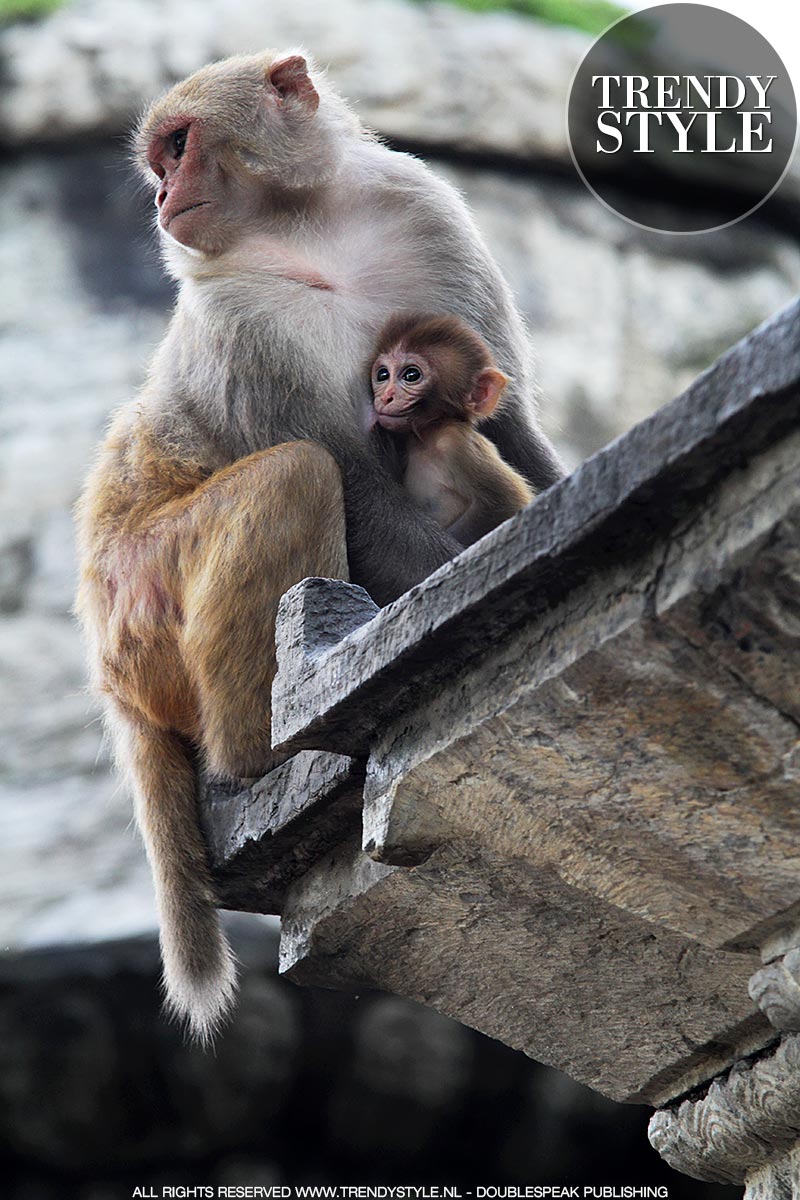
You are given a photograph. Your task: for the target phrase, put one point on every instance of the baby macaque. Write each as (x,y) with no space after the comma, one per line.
(433,380)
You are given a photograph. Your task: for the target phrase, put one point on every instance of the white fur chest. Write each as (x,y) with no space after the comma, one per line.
(309,297)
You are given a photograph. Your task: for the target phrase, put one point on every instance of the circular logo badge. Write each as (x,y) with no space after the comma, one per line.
(682,118)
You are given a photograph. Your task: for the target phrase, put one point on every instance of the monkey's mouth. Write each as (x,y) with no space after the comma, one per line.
(393,420)
(182,211)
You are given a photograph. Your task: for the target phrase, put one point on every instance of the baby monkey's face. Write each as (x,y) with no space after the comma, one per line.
(402,385)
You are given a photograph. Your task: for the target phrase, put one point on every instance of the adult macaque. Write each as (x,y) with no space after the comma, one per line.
(433,379)
(293,235)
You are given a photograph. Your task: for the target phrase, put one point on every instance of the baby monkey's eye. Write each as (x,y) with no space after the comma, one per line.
(411,375)
(382,374)
(178,141)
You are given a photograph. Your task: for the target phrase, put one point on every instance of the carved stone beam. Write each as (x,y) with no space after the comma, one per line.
(744,1130)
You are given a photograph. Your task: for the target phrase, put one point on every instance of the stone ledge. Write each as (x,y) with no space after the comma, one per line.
(262,838)
(507,948)
(776,991)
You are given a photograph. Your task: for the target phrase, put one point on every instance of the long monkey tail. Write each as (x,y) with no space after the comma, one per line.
(199,965)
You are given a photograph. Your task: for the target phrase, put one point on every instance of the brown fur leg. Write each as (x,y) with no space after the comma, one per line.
(266,524)
(180,607)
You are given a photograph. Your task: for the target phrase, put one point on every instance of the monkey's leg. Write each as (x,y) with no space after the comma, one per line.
(249,533)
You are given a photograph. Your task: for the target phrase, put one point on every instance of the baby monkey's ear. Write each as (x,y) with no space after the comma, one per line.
(486,391)
(291,83)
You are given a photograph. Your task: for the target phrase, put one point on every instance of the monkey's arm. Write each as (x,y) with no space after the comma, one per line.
(473,524)
(476,469)
(391,544)
(513,427)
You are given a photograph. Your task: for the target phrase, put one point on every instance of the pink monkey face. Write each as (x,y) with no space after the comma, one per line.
(401,383)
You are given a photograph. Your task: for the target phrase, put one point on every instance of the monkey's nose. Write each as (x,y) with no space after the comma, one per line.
(161,196)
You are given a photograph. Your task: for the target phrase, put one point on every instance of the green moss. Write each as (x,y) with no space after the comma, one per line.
(26,10)
(591,15)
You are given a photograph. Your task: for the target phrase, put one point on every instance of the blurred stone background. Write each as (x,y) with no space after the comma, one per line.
(621,319)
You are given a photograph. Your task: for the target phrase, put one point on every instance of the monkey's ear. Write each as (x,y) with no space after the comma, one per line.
(487,391)
(290,80)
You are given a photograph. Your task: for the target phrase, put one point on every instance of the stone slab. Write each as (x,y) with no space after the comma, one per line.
(582,741)
(513,951)
(262,837)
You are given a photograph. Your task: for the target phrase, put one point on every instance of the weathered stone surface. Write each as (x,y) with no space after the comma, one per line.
(633,760)
(746,1121)
(777,1180)
(263,837)
(507,948)
(319,613)
(776,991)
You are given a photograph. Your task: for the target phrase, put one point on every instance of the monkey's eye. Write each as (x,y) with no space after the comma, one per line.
(411,375)
(382,374)
(178,141)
